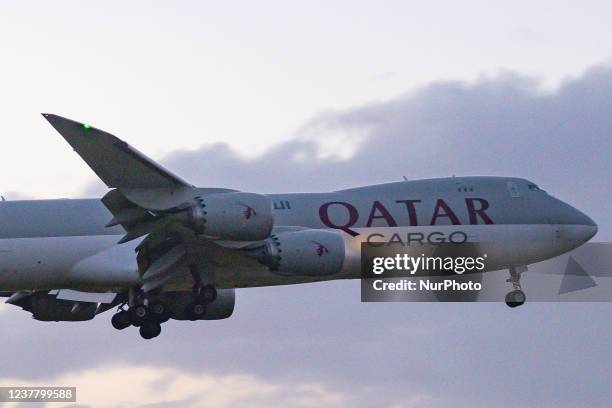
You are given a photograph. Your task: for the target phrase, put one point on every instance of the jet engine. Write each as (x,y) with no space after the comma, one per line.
(233,216)
(221,308)
(307,253)
(48,308)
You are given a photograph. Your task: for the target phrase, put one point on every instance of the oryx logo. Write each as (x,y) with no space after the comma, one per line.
(248,211)
(321,249)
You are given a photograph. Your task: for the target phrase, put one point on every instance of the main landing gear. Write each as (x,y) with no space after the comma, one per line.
(121,320)
(147,316)
(202,296)
(147,319)
(150,329)
(148,313)
(516,297)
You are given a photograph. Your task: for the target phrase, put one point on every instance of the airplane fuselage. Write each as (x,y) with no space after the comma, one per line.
(55,244)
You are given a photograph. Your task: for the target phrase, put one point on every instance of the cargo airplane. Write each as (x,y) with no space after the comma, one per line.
(155,247)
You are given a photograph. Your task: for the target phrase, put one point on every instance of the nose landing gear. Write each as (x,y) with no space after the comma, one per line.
(516,297)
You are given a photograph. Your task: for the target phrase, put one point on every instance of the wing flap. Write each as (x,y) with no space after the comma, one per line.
(89,297)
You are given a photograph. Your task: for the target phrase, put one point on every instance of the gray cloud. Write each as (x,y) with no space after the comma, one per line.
(496,126)
(464,354)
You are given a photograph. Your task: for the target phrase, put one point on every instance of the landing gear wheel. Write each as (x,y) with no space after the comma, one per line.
(121,320)
(208,294)
(159,312)
(205,293)
(138,314)
(195,310)
(150,329)
(515,298)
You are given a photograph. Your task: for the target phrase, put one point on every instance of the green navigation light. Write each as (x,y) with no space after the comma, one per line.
(86,126)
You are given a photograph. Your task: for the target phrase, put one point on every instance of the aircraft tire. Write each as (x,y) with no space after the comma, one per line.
(150,329)
(138,314)
(159,312)
(208,294)
(195,311)
(121,320)
(515,298)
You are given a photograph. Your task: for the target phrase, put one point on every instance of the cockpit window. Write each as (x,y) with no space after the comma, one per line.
(533,187)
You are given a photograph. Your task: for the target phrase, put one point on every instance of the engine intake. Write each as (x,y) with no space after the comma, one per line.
(307,253)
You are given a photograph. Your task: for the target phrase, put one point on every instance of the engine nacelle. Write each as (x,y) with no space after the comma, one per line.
(221,308)
(48,308)
(232,216)
(306,253)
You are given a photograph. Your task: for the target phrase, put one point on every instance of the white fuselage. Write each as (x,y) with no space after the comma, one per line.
(57,244)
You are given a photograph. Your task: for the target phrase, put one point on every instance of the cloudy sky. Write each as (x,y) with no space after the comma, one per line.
(281,96)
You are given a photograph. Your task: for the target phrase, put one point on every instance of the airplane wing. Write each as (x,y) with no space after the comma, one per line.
(118,164)
(149,201)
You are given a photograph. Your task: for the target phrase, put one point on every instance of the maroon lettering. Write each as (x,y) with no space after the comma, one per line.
(353,216)
(443,210)
(379,211)
(412,216)
(474,212)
